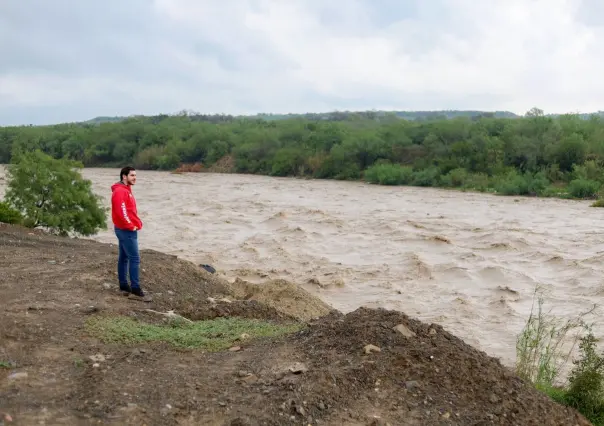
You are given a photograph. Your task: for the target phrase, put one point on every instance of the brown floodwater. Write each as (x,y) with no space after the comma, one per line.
(468,261)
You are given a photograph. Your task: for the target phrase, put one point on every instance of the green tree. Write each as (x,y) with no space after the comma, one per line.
(571,150)
(287,161)
(51,193)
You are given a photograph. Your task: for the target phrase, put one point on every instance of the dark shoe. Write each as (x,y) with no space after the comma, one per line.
(140,294)
(125,289)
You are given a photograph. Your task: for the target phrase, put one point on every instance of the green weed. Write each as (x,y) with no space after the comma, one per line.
(212,335)
(540,354)
(540,357)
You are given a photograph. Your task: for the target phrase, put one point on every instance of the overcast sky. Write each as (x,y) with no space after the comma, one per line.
(71,60)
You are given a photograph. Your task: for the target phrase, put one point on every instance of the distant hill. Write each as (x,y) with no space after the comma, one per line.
(407,115)
(99,120)
(327,116)
(334,116)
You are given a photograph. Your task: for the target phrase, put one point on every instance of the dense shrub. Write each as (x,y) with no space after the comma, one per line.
(478,182)
(522,184)
(9,214)
(455,178)
(389,174)
(426,177)
(583,188)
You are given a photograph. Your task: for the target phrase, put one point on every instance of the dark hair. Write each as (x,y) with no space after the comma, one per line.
(126,171)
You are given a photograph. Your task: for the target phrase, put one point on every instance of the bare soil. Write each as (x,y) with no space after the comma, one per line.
(324,374)
(225,164)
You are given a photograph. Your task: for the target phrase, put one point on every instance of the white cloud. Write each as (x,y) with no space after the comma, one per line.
(246,56)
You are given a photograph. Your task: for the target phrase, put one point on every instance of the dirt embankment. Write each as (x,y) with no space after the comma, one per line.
(54,370)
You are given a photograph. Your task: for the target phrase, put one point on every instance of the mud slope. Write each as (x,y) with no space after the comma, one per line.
(324,374)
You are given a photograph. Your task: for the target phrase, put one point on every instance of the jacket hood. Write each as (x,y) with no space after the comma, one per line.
(118,185)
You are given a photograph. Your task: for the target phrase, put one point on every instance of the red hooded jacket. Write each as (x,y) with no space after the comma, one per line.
(123,208)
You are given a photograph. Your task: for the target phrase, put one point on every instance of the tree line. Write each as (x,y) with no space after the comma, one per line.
(530,155)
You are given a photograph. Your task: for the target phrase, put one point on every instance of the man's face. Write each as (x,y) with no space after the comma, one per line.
(131,178)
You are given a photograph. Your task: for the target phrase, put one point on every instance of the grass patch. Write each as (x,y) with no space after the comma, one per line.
(5,364)
(211,335)
(558,394)
(598,203)
(541,355)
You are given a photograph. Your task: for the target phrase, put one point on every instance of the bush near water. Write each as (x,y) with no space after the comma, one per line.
(50,193)
(534,154)
(546,345)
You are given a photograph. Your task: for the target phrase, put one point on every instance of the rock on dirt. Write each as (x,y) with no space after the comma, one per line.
(371,348)
(18,376)
(401,328)
(422,375)
(97,358)
(298,368)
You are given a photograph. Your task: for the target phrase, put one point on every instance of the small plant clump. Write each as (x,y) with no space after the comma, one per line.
(586,382)
(541,355)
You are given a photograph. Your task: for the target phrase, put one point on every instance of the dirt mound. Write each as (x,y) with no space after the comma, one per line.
(74,351)
(225,164)
(283,296)
(405,372)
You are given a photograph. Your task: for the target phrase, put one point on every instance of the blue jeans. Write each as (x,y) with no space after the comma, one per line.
(128,259)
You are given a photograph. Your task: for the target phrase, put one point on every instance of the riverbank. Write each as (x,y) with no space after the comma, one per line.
(273,356)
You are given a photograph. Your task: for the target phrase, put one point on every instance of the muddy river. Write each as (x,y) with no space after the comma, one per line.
(470,262)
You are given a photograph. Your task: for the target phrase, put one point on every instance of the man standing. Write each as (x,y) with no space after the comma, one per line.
(127,224)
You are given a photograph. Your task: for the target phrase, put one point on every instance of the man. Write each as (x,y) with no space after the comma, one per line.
(127,224)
